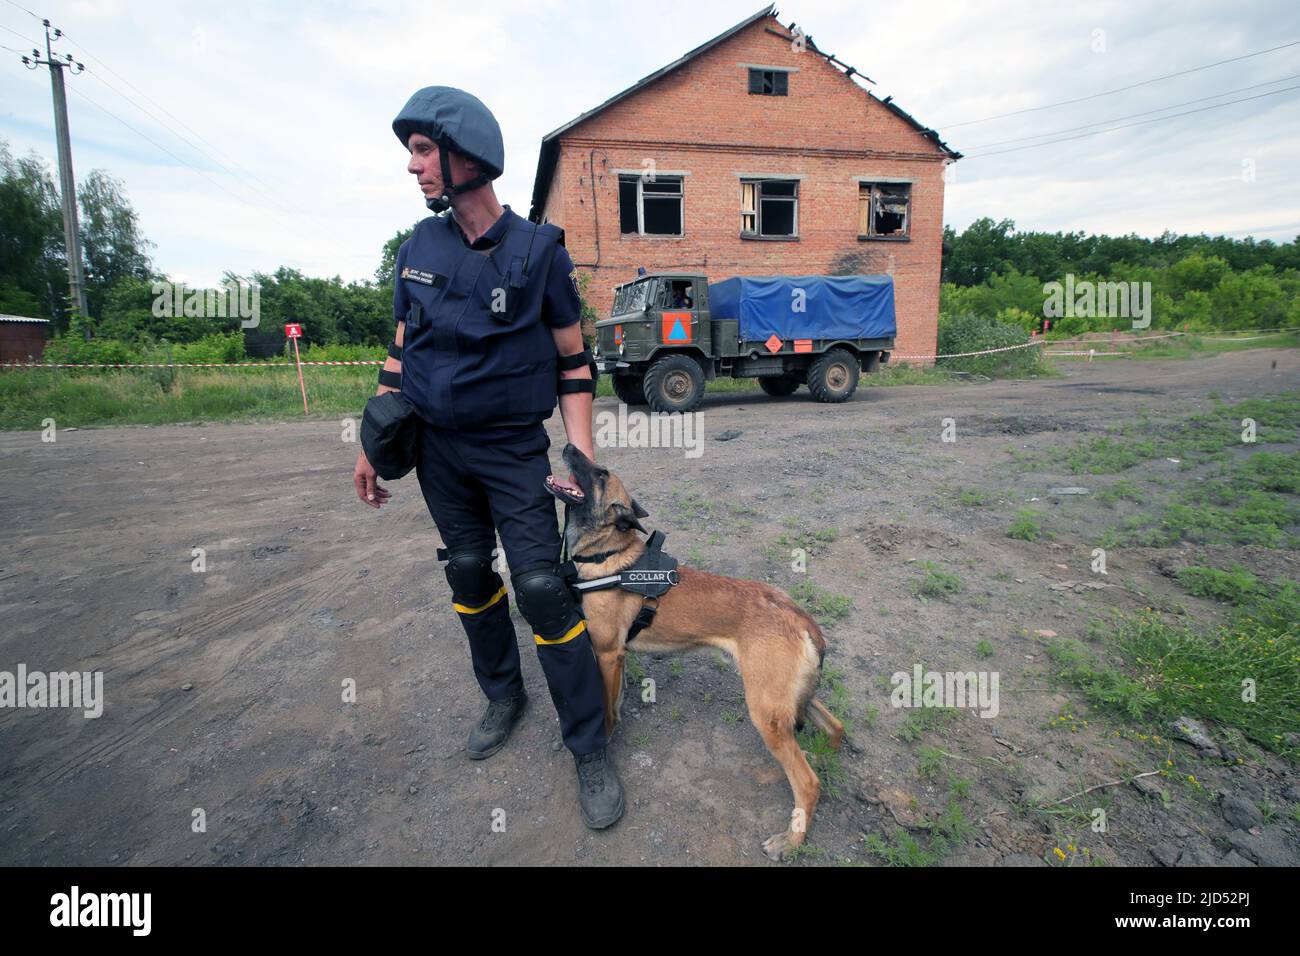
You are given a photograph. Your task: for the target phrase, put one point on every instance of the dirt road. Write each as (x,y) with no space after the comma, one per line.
(224,688)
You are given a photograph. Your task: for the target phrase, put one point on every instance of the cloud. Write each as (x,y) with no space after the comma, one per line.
(283,110)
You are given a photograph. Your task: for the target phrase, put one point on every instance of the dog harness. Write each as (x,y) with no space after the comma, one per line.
(652,576)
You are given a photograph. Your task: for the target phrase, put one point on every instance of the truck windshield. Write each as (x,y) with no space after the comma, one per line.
(631,298)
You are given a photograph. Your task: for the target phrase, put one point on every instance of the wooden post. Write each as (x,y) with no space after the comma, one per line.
(301,384)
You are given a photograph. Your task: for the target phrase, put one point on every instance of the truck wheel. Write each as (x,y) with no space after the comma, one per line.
(674,383)
(779,385)
(630,389)
(833,377)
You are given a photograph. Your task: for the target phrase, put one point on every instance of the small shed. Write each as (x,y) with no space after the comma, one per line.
(22,339)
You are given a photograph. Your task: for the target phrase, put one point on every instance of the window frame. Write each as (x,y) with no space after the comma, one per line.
(755,211)
(872,187)
(781,88)
(680,196)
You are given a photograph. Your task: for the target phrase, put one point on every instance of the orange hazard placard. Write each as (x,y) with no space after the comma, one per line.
(677,328)
(773,344)
(803,345)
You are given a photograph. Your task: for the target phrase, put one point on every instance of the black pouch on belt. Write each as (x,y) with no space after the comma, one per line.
(389,434)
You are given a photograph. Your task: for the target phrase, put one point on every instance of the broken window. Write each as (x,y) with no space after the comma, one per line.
(630,297)
(769,82)
(769,207)
(884,210)
(650,208)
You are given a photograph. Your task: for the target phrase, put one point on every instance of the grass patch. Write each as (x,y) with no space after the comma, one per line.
(822,604)
(1198,439)
(1027,525)
(166,396)
(1194,346)
(936,583)
(1169,671)
(1234,586)
(1122,490)
(922,720)
(812,542)
(947,831)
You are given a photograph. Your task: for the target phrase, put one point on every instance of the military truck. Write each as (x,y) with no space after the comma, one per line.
(670,332)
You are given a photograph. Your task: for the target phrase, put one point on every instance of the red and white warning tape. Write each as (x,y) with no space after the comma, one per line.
(893,355)
(1007,348)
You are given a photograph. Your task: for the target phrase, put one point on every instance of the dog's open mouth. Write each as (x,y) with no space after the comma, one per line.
(582,468)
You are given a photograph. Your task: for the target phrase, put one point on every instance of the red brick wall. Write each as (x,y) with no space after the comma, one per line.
(700,118)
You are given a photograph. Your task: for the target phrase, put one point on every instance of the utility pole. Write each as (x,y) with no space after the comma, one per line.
(67,185)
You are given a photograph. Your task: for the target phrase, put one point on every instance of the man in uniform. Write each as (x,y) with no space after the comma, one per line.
(488,335)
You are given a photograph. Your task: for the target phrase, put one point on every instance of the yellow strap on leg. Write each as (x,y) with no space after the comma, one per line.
(568,635)
(466,609)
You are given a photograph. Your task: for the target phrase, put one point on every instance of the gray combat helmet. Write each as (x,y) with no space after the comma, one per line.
(453,118)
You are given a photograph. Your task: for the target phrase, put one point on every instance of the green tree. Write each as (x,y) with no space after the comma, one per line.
(388,256)
(33,280)
(113,247)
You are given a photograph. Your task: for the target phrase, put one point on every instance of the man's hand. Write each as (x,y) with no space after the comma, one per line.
(367,483)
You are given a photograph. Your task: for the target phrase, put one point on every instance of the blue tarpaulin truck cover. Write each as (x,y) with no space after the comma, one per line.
(834,307)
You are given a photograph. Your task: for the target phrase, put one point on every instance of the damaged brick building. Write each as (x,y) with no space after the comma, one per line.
(753,154)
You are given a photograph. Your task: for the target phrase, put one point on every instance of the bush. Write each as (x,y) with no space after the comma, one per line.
(970,333)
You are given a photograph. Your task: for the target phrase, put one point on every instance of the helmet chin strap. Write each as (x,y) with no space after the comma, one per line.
(440,204)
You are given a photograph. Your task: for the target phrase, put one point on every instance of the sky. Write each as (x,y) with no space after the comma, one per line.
(254,135)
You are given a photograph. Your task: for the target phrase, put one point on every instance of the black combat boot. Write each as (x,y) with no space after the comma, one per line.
(493,730)
(600,794)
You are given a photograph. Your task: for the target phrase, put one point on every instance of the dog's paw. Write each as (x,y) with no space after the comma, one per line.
(778,847)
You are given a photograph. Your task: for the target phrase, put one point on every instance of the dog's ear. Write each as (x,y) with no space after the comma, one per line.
(638,510)
(624,519)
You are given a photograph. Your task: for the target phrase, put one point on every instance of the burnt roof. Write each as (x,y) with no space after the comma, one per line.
(551,141)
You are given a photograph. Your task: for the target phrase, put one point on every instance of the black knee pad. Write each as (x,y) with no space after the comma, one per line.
(473,582)
(545,602)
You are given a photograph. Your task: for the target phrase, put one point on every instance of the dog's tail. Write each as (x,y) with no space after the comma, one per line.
(810,706)
(826,722)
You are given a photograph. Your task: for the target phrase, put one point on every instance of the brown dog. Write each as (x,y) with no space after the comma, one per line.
(777,646)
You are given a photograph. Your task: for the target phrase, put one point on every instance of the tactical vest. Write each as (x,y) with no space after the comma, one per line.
(475,349)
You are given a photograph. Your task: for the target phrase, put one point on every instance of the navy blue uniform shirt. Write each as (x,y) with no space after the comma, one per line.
(561,306)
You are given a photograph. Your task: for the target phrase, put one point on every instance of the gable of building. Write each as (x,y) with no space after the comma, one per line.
(704,98)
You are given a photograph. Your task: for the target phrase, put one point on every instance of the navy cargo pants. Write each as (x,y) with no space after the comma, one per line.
(476,484)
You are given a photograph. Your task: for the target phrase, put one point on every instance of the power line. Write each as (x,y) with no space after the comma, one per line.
(188,165)
(1116,119)
(19,36)
(181,160)
(306,217)
(1130,125)
(159,145)
(23,9)
(1133,86)
(273,199)
(164,109)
